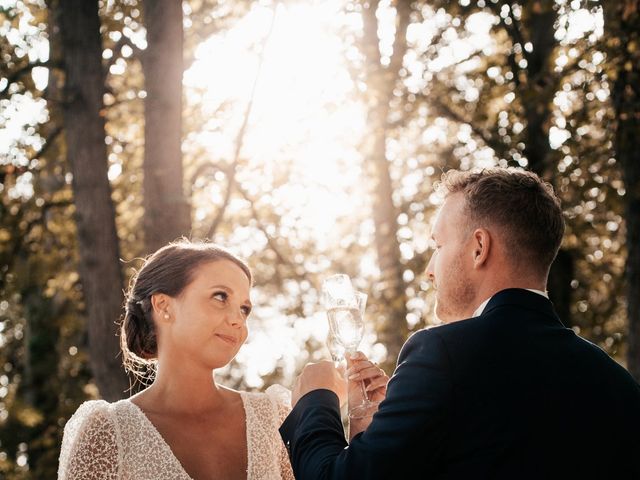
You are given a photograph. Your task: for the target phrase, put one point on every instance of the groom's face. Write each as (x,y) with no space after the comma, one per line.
(451,263)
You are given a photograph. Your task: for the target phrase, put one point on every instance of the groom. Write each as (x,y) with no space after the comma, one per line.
(502,390)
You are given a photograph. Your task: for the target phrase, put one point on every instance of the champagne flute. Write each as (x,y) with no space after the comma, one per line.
(345,311)
(335,349)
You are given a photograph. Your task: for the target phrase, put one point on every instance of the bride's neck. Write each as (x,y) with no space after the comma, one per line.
(185,391)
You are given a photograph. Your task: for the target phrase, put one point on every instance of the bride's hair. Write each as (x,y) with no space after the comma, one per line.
(522,205)
(169,270)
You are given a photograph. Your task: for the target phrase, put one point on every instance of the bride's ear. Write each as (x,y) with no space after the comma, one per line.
(161,306)
(481,247)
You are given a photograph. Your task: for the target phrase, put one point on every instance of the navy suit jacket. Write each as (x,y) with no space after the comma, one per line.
(511,394)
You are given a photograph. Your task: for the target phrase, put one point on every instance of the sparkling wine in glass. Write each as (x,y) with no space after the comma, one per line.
(347,325)
(345,311)
(335,349)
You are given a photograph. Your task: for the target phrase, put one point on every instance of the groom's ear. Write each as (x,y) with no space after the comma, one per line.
(481,247)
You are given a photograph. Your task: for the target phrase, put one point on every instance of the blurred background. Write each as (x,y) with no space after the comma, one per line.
(306,136)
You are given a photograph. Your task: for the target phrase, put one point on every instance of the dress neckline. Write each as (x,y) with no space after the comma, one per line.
(243,396)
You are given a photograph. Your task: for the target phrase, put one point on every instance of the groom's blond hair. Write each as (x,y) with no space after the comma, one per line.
(522,205)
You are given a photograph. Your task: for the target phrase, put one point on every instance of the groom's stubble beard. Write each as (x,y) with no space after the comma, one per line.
(455,293)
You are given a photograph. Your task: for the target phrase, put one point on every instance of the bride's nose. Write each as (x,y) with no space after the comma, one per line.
(235,318)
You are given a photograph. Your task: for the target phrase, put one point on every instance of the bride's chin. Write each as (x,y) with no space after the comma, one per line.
(220,362)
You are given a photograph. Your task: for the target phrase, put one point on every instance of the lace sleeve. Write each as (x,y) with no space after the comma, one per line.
(282,400)
(89,445)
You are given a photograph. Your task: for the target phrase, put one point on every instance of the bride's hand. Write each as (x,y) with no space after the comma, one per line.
(360,368)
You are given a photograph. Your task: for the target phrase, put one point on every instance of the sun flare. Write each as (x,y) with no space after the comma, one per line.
(304,107)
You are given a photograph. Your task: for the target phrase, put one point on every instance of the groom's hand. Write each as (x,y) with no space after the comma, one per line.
(361,369)
(321,375)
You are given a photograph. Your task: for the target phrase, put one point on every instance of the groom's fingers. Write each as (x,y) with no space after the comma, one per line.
(376,383)
(362,372)
(364,368)
(357,356)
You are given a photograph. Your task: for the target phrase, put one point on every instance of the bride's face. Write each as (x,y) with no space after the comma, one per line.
(209,318)
(451,263)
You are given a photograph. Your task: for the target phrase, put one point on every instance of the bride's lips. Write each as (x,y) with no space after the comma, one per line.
(227,338)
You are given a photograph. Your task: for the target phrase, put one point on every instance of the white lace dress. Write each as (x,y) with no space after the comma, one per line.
(117,441)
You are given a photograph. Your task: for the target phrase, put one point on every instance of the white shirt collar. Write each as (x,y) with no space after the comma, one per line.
(482,306)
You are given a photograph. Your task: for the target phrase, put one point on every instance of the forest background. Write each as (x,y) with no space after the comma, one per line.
(305,136)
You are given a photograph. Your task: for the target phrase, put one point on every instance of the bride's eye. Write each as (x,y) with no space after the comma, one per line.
(221,296)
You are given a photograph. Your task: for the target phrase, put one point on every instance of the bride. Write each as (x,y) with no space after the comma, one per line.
(187,312)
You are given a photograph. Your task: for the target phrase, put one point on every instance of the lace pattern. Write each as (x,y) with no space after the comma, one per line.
(117,442)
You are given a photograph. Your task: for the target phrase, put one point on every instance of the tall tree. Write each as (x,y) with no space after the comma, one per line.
(382,79)
(166,210)
(532,35)
(526,69)
(622,44)
(99,265)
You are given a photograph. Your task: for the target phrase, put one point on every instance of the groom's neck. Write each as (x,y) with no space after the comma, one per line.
(492,284)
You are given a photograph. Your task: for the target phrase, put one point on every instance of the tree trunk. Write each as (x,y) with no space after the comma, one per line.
(166,209)
(622,31)
(381,81)
(99,266)
(393,330)
(537,91)
(537,86)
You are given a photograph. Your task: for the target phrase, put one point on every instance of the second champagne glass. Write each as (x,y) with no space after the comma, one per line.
(345,310)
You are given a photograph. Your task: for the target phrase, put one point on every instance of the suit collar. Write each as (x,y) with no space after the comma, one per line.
(522,298)
(482,306)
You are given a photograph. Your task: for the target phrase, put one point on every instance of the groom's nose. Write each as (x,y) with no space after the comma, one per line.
(429,270)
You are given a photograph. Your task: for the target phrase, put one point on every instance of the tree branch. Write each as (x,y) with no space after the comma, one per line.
(117,51)
(241,133)
(48,142)
(403,14)
(370,41)
(283,260)
(28,226)
(19,73)
(485,136)
(514,31)
(515,34)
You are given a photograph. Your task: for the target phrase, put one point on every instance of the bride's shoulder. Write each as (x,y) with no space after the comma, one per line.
(88,410)
(281,398)
(102,415)
(90,415)
(279,394)
(90,437)
(276,396)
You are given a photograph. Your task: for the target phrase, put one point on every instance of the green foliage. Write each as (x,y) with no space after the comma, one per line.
(500,102)
(449,109)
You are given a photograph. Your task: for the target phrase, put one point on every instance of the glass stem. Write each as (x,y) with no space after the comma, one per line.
(365,397)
